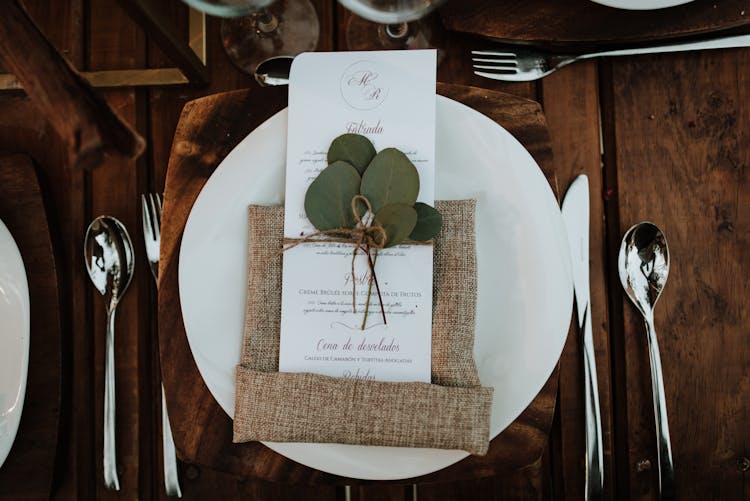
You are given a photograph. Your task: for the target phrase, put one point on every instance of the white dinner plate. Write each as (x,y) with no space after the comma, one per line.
(14,339)
(525,291)
(641,4)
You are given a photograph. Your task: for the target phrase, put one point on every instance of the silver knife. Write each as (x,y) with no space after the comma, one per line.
(575,212)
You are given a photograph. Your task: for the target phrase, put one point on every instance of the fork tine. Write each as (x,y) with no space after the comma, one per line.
(158,206)
(501,65)
(155,217)
(492,53)
(512,62)
(508,77)
(497,69)
(157,196)
(521,64)
(146,218)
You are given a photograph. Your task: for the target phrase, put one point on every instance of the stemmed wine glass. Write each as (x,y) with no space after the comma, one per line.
(391,24)
(255,30)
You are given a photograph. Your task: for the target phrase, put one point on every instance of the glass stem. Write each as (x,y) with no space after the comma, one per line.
(266,22)
(397,31)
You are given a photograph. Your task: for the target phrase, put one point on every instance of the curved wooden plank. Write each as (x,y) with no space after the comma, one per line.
(34,450)
(208,130)
(578,23)
(88,126)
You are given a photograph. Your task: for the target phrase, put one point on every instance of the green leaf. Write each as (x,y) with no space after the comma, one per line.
(398,221)
(428,224)
(352,148)
(328,201)
(390,178)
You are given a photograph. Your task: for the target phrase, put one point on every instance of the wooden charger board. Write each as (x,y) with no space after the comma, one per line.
(35,447)
(208,129)
(582,23)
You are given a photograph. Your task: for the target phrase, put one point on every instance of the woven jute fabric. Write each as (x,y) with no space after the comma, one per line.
(451,413)
(288,407)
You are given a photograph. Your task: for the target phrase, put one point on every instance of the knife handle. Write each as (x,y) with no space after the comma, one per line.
(678,46)
(594,455)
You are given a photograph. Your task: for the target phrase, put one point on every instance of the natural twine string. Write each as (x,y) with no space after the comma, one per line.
(360,235)
(363,237)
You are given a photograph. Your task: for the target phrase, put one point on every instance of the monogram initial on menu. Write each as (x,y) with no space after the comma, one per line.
(363,87)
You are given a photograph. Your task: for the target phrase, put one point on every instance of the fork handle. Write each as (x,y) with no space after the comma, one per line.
(715,43)
(171,480)
(594,452)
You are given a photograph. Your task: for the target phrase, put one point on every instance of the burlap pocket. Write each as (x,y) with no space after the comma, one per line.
(451,413)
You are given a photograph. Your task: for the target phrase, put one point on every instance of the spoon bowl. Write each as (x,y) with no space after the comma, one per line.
(274,71)
(109,256)
(643,264)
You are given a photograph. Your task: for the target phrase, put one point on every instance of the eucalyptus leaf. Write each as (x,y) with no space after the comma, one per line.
(398,221)
(390,178)
(352,148)
(428,224)
(328,201)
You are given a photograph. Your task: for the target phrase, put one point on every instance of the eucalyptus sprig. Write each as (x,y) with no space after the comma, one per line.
(370,199)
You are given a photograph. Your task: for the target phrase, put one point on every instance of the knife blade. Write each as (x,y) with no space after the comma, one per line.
(575,212)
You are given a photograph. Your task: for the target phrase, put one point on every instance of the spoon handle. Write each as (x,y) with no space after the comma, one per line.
(666,467)
(111,481)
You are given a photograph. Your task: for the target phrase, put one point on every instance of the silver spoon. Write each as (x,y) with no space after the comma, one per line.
(643,264)
(274,71)
(108,251)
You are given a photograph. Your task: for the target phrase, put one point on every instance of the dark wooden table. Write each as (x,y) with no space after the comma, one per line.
(662,137)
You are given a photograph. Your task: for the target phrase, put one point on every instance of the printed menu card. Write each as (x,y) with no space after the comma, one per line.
(389,97)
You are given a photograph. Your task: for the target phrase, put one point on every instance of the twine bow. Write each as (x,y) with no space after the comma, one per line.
(361,235)
(364,237)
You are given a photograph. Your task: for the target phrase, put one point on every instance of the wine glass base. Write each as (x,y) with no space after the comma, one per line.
(362,34)
(285,28)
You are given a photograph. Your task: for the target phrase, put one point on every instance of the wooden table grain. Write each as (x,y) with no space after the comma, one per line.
(577,24)
(661,137)
(35,446)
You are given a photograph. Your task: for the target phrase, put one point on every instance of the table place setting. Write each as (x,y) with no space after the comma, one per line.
(375,249)
(306,362)
(227,288)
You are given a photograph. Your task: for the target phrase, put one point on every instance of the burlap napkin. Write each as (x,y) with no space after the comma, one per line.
(451,413)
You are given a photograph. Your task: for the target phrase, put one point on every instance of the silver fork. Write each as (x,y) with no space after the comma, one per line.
(151,216)
(521,64)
